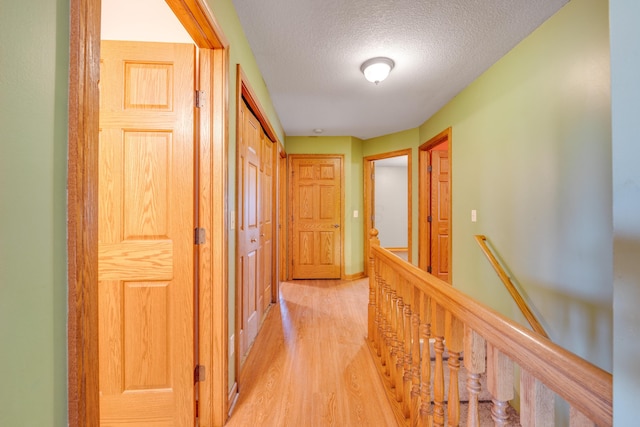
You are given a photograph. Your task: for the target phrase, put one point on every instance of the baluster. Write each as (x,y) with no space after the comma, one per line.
(426,409)
(499,383)
(536,402)
(379,310)
(454,332)
(475,361)
(578,419)
(438,380)
(371,313)
(399,347)
(408,347)
(388,327)
(415,359)
(394,336)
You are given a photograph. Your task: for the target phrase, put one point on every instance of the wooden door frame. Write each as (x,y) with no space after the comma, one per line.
(424,197)
(245,93)
(290,159)
(369,189)
(82,208)
(282,220)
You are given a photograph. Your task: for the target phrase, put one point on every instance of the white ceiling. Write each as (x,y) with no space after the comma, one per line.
(310,51)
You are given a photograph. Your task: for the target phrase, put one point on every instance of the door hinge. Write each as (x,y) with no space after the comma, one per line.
(200,96)
(200,236)
(429,269)
(199,374)
(429,218)
(430,168)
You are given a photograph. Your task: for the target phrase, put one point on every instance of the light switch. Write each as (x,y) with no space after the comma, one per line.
(474,216)
(233,220)
(355,214)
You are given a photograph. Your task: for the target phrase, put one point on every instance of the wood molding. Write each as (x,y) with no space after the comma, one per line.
(244,90)
(355,276)
(82,214)
(82,206)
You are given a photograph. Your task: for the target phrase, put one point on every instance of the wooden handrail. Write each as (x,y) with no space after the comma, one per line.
(520,302)
(404,299)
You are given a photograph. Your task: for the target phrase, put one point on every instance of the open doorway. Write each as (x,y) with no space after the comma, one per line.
(434,206)
(387,201)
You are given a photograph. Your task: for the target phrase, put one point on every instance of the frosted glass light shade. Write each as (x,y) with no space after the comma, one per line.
(377,69)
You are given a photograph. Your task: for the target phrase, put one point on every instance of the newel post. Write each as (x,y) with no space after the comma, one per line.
(373,241)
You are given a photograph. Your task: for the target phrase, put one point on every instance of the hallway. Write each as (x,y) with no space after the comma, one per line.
(310,365)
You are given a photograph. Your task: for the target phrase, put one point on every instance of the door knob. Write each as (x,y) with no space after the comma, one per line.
(254,240)
(336,225)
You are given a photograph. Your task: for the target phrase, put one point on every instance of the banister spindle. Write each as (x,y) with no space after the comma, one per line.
(499,383)
(454,336)
(408,336)
(415,357)
(536,402)
(438,380)
(475,362)
(371,312)
(426,408)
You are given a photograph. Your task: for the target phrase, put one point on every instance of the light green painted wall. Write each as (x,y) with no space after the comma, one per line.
(34,61)
(351,148)
(625,99)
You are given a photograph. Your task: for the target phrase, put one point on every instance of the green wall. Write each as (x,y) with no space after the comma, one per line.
(625,99)
(351,148)
(34,61)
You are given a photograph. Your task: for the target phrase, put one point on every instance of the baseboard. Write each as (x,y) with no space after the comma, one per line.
(356,276)
(232,399)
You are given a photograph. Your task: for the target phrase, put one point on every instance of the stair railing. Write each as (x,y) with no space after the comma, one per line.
(409,307)
(520,302)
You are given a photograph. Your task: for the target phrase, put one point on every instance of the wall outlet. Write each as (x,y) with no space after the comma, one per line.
(355,214)
(474,215)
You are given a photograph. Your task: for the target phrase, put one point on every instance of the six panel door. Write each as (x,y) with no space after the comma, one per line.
(146,227)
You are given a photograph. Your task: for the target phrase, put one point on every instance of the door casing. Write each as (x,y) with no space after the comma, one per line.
(424,197)
(82,208)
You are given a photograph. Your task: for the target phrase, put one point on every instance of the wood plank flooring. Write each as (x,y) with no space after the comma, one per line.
(309,365)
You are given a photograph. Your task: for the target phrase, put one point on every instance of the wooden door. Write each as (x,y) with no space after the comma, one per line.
(248,263)
(316,206)
(440,215)
(145,228)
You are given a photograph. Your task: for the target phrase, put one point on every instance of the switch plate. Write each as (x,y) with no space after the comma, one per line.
(474,215)
(355,214)
(233,220)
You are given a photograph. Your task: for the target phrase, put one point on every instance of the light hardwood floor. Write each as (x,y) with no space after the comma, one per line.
(309,365)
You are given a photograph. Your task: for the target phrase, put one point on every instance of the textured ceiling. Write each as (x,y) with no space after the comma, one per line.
(310,51)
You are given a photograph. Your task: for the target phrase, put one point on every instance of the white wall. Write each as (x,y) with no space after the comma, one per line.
(391,205)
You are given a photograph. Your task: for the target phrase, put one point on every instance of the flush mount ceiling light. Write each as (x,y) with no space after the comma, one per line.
(377,69)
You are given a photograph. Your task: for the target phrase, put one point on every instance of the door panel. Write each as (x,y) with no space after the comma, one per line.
(317,217)
(266,221)
(145,227)
(440,214)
